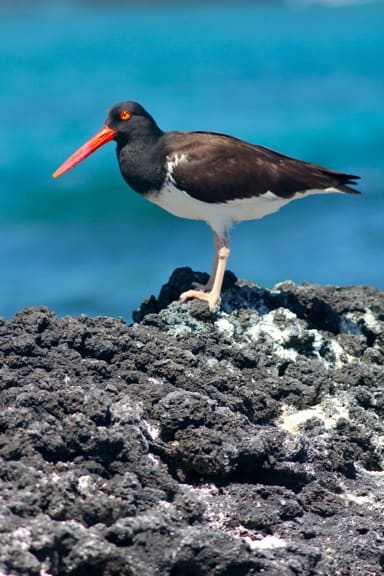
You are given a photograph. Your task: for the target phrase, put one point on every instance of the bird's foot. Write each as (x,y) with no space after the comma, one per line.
(209,297)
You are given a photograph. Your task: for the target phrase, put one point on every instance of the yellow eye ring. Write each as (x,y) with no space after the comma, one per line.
(125,115)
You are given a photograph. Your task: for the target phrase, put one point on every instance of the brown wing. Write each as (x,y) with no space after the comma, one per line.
(222,168)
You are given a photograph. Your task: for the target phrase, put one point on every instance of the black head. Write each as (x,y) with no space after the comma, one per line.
(126,122)
(130,120)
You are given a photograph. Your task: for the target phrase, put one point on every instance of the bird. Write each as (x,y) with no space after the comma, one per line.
(209,176)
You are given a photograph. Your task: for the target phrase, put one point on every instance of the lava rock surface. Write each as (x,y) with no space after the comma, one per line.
(249,441)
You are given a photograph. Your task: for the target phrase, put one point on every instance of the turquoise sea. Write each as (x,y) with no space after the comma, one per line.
(305,78)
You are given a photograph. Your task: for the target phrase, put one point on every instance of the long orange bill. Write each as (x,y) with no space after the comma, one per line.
(103,136)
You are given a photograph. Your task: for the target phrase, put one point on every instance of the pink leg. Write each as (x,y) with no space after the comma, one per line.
(216,280)
(208,286)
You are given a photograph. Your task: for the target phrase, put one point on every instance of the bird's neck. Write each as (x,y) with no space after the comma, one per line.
(140,161)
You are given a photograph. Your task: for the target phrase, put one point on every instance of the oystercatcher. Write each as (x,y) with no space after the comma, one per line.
(206,176)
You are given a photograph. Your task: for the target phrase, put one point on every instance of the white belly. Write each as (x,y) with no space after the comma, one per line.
(221,216)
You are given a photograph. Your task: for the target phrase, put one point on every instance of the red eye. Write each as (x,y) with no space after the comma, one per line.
(125,115)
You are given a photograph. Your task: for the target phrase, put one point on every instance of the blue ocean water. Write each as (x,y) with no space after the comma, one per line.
(303,78)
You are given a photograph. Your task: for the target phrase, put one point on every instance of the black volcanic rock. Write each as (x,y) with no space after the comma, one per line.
(245,442)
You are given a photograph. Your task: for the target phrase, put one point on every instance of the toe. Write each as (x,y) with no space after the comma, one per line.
(209,297)
(194,294)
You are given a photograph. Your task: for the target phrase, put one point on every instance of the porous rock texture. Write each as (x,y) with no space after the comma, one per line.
(249,441)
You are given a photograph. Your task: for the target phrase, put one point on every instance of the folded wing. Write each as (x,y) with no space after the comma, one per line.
(219,168)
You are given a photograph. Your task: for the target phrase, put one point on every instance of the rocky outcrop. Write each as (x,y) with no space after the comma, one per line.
(245,442)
